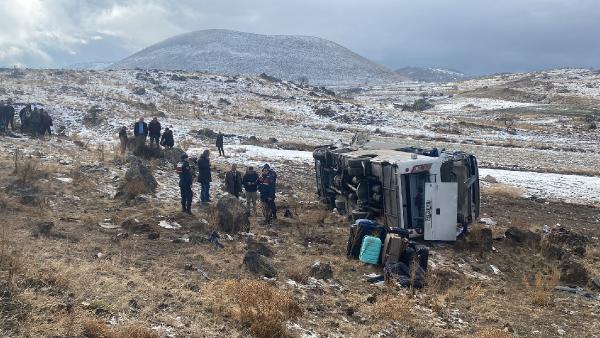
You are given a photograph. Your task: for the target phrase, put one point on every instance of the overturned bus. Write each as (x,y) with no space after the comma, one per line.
(429,193)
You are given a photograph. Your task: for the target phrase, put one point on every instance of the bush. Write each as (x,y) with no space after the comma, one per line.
(418,105)
(263,307)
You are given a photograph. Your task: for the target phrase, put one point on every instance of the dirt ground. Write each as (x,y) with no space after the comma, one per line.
(75,278)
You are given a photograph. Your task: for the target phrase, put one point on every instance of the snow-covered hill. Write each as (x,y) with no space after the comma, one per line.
(287,57)
(431,74)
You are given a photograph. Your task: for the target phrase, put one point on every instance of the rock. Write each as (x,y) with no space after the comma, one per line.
(206,133)
(489,179)
(139,91)
(153,235)
(259,247)
(232,215)
(523,236)
(259,264)
(371,299)
(596,283)
(138,180)
(321,271)
(43,228)
(573,272)
(147,152)
(173,155)
(223,101)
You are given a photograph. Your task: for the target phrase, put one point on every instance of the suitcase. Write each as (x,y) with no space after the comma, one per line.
(358,231)
(393,248)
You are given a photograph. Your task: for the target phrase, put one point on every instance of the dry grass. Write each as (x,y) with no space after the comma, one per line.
(29,172)
(264,308)
(493,333)
(540,288)
(96,329)
(393,308)
(504,190)
(298,274)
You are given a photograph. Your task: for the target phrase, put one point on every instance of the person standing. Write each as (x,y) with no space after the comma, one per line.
(166,139)
(204,176)
(250,183)
(233,181)
(35,121)
(185,184)
(140,131)
(272,175)
(154,128)
(123,139)
(219,144)
(267,195)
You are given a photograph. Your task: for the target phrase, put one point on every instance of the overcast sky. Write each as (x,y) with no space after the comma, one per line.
(475,36)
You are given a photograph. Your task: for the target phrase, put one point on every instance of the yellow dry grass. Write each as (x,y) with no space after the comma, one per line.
(540,288)
(392,308)
(503,190)
(264,308)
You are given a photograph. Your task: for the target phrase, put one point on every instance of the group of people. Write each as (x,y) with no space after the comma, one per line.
(253,184)
(141,131)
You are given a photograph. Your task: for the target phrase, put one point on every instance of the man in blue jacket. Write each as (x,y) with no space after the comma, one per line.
(140,131)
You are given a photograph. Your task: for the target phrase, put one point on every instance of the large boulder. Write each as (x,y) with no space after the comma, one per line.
(138,180)
(523,236)
(232,215)
(259,264)
(173,155)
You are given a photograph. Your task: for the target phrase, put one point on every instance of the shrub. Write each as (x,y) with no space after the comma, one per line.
(263,307)
(541,289)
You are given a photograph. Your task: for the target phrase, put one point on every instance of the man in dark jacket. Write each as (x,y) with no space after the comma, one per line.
(154,131)
(204,176)
(266,188)
(219,144)
(233,181)
(46,123)
(140,131)
(272,176)
(35,121)
(185,184)
(250,183)
(166,139)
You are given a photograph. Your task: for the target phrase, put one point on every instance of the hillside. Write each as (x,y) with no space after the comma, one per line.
(287,57)
(431,74)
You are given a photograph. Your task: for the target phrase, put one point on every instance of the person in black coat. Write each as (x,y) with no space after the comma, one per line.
(219,144)
(233,181)
(185,184)
(140,131)
(166,139)
(204,176)
(250,183)
(154,131)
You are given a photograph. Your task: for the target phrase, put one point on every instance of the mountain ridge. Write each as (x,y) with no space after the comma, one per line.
(288,57)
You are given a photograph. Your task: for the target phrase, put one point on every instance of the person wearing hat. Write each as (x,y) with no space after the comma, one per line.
(185,184)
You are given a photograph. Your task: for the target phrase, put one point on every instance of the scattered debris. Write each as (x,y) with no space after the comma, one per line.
(169,225)
(578,291)
(487,221)
(107,224)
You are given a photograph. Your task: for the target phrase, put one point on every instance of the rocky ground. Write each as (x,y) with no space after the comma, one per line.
(79,259)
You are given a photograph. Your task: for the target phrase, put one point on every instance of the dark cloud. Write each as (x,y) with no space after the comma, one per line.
(476,36)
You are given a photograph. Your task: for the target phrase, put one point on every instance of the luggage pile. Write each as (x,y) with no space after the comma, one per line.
(403,260)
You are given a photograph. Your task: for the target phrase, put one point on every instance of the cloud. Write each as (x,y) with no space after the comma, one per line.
(477,36)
